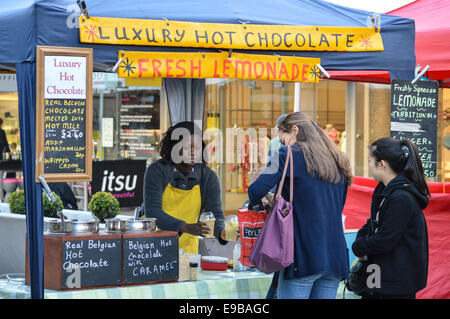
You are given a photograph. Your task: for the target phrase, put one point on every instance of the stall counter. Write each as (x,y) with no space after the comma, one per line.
(210,285)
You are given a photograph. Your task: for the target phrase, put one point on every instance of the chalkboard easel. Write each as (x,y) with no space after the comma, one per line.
(98,256)
(150,258)
(64,113)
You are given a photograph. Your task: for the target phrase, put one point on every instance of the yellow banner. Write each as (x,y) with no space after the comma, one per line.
(137,64)
(227,36)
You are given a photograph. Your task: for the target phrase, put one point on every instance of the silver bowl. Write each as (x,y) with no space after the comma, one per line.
(70,226)
(124,225)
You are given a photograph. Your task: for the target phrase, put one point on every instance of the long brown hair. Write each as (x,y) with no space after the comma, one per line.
(322,156)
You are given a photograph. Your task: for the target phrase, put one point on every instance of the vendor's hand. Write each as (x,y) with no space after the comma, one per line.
(197,229)
(223,235)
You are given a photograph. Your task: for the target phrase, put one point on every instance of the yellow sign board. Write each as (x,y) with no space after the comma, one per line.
(138,64)
(227,36)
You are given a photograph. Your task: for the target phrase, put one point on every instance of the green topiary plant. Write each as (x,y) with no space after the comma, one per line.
(17,204)
(104,205)
(51,209)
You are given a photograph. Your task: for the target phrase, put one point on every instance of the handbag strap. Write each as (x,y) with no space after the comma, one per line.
(289,158)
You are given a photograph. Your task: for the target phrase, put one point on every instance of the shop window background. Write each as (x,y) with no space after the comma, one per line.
(258,104)
(373,122)
(133,137)
(9,112)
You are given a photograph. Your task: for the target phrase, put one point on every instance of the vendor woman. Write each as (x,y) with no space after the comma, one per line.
(179,187)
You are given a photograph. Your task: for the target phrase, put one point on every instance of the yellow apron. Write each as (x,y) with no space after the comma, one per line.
(184,205)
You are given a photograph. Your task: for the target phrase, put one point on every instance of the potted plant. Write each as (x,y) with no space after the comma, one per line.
(17,204)
(104,205)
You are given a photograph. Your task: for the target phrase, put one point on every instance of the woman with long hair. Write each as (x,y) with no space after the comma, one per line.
(395,237)
(322,175)
(179,186)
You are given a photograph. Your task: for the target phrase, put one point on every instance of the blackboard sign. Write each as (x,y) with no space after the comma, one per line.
(414,112)
(64,114)
(139,110)
(91,262)
(64,142)
(150,259)
(139,123)
(124,179)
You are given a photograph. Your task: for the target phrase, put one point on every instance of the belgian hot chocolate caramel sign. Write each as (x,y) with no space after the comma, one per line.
(64,114)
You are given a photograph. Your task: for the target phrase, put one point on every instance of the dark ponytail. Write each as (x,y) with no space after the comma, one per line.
(413,168)
(391,151)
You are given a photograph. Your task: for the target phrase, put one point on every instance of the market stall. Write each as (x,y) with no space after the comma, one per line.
(431,43)
(55,23)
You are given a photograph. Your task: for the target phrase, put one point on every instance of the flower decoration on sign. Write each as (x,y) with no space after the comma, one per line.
(92,32)
(315,72)
(365,42)
(128,66)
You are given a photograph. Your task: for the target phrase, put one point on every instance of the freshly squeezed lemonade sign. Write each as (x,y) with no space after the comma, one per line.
(63,118)
(228,36)
(136,64)
(414,116)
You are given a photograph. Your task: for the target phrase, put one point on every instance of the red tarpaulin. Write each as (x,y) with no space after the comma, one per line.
(432,19)
(437,215)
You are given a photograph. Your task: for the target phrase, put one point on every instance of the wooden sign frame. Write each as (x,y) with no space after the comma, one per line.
(41,53)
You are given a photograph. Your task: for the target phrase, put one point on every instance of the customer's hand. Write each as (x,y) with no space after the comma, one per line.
(197,229)
(223,234)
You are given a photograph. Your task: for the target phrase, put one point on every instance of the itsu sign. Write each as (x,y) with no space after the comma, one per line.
(123,179)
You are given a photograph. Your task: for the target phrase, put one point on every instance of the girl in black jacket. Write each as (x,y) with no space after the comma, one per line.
(395,239)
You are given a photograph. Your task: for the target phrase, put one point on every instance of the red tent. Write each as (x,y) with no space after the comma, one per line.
(432,19)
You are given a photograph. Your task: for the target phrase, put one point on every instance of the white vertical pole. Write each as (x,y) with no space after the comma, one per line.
(85,195)
(188,100)
(366,128)
(297,97)
(350,122)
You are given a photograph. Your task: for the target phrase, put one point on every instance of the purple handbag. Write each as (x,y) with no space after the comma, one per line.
(274,247)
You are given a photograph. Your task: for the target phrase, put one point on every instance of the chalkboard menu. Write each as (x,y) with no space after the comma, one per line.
(91,262)
(64,114)
(150,258)
(414,110)
(139,110)
(139,123)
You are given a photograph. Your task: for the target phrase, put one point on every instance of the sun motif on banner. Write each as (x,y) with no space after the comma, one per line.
(128,66)
(365,42)
(314,72)
(92,32)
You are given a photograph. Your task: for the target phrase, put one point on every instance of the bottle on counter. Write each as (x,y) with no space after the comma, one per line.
(236,255)
(194,270)
(184,269)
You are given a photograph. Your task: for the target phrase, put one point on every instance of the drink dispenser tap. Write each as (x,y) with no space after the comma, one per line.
(50,196)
